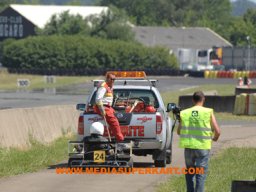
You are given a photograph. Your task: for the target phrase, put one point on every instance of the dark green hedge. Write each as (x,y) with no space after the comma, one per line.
(76,52)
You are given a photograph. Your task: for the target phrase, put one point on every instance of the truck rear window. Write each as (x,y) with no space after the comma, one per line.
(125,95)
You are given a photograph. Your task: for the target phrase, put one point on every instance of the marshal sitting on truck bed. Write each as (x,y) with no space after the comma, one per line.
(141,113)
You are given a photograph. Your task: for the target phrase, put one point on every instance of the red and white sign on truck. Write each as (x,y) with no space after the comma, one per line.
(141,113)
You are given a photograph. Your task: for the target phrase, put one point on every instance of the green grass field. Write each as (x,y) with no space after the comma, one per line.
(38,156)
(173,97)
(9,81)
(230,164)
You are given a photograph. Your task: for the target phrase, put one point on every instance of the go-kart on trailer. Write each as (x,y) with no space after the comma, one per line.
(141,113)
(111,157)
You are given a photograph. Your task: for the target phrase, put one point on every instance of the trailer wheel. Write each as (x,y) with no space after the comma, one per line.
(130,163)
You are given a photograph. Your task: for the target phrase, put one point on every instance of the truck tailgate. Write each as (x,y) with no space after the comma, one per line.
(137,125)
(141,126)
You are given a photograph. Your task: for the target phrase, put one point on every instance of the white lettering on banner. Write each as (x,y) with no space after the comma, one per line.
(3,19)
(1,30)
(10,32)
(6,30)
(11,26)
(11,19)
(20,30)
(14,30)
(15,19)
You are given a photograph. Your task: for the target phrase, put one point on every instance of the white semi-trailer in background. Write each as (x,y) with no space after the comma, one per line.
(200,59)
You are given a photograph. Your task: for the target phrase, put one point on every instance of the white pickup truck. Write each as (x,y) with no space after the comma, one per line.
(150,130)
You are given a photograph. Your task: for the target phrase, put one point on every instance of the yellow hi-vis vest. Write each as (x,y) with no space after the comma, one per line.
(196,132)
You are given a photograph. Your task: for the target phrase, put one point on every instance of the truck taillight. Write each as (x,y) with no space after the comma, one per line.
(80,129)
(159,123)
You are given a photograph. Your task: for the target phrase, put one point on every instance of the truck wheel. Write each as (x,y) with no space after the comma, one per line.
(160,163)
(159,157)
(168,159)
(169,156)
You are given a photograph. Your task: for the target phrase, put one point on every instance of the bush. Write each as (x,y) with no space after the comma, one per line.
(77,52)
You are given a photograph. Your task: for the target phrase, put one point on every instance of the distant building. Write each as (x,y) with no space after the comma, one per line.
(183,37)
(193,46)
(20,21)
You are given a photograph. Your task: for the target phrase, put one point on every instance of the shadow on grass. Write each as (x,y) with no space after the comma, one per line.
(57,165)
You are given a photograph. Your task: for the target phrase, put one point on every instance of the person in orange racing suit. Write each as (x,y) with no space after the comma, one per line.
(104,100)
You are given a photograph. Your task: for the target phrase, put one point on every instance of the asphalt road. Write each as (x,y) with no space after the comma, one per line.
(48,180)
(78,94)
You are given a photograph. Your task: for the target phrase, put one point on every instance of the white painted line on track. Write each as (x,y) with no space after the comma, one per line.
(186,88)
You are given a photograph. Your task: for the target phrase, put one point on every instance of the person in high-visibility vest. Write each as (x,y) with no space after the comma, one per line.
(197,128)
(104,100)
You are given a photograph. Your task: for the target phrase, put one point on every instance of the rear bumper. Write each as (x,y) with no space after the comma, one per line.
(147,144)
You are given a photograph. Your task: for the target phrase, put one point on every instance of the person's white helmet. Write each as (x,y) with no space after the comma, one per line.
(97,128)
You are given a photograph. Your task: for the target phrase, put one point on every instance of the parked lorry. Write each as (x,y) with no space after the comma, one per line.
(142,115)
(200,59)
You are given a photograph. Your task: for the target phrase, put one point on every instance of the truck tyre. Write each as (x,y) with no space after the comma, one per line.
(168,159)
(160,163)
(159,157)
(169,155)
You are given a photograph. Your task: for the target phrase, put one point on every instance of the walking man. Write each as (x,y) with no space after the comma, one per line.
(197,128)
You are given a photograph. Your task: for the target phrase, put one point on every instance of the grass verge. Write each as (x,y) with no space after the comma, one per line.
(9,81)
(173,97)
(14,161)
(230,164)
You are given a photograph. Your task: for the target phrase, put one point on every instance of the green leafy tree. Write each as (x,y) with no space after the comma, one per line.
(5,3)
(79,52)
(141,12)
(66,24)
(214,14)
(111,25)
(74,2)
(218,14)
(250,16)
(32,2)
(175,12)
(237,31)
(239,7)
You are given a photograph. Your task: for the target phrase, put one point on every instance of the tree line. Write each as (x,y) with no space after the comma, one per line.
(79,52)
(216,15)
(108,40)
